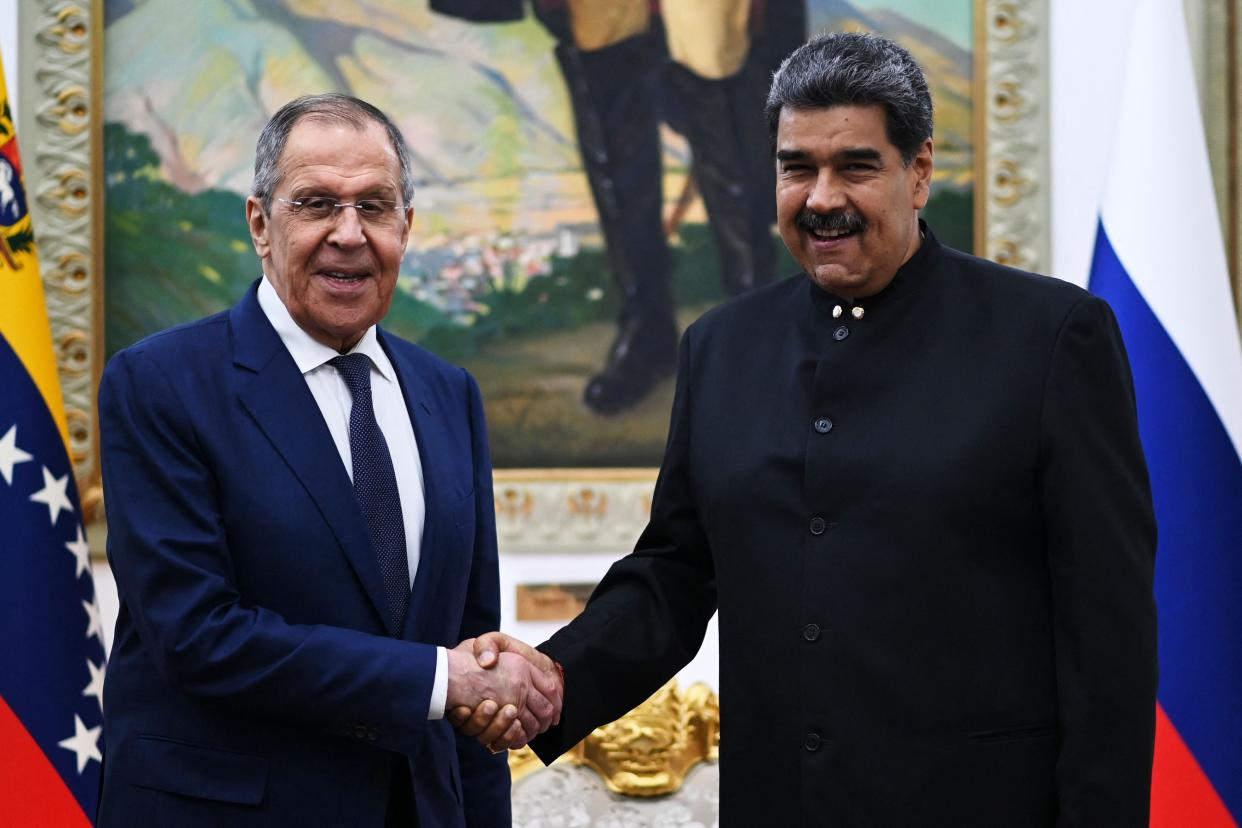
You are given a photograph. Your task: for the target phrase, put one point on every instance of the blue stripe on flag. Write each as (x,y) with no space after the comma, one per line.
(42,623)
(1196,478)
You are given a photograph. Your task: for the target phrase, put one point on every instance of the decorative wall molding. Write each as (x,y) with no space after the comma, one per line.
(572,509)
(61,53)
(1012,131)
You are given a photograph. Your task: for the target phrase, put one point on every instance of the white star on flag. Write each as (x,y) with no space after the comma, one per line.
(10,454)
(80,551)
(95,625)
(84,742)
(95,688)
(53,494)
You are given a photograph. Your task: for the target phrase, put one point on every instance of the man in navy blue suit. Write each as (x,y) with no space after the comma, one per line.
(301,527)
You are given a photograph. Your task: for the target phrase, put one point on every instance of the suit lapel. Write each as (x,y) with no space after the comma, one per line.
(428,424)
(277,398)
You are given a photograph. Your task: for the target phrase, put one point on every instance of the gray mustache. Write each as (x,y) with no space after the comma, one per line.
(814,222)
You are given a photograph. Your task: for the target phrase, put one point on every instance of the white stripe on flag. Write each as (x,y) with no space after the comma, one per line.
(1159,208)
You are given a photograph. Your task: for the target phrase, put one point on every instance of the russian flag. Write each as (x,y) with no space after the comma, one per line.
(1160,263)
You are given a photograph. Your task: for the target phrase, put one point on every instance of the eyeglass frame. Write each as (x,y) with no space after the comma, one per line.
(338,206)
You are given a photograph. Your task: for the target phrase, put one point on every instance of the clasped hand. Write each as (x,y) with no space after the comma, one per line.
(501,691)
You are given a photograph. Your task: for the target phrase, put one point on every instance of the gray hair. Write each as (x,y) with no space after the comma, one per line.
(330,106)
(856,69)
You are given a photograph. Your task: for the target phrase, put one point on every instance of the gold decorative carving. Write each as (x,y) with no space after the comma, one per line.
(1008,102)
(588,502)
(68,27)
(1012,200)
(69,273)
(79,423)
(73,353)
(648,751)
(1006,21)
(570,510)
(513,502)
(66,181)
(1010,183)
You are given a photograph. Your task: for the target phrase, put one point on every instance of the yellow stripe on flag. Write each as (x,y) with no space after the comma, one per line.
(23,312)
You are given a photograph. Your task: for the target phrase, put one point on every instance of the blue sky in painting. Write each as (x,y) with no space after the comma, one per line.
(951,18)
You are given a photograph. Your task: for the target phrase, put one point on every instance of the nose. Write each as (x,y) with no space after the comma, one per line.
(826,194)
(347,229)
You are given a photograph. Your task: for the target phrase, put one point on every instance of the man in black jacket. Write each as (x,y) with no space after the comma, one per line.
(910,480)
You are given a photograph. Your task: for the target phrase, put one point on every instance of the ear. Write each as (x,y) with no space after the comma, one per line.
(258,222)
(409,222)
(922,165)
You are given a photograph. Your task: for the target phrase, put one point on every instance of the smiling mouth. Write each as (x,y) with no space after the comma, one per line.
(833,226)
(342,277)
(830,235)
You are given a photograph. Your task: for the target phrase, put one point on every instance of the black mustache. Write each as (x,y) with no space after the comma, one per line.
(814,222)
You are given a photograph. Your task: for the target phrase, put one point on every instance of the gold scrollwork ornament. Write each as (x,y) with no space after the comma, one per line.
(648,751)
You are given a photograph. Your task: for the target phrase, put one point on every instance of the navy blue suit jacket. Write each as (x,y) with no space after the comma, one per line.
(251,681)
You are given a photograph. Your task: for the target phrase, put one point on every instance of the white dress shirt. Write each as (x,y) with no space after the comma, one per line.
(332,395)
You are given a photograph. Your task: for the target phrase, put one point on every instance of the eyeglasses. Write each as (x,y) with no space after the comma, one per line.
(373,211)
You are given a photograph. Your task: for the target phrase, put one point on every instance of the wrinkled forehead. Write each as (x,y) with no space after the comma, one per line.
(339,151)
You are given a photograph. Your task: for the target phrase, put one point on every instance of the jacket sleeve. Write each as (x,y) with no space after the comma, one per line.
(169,550)
(485,778)
(648,616)
(1101,541)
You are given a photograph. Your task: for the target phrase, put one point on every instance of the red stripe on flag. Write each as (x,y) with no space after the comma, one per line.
(1181,793)
(31,791)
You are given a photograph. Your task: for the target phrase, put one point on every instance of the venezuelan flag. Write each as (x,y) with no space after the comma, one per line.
(1160,263)
(51,636)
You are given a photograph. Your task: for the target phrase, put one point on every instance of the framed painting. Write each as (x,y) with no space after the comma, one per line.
(521,265)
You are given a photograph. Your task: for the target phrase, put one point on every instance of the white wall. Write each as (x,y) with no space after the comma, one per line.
(1088,49)
(1088,42)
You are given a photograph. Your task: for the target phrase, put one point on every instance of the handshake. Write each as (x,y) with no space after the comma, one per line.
(501,691)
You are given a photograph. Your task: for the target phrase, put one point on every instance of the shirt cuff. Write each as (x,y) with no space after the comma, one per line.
(439,687)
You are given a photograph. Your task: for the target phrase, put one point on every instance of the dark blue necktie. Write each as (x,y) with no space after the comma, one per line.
(375,485)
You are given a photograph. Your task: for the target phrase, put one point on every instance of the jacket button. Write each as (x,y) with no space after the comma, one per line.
(817,525)
(823,425)
(811,632)
(811,741)
(840,333)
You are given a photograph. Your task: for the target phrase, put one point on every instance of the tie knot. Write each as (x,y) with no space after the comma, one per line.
(356,371)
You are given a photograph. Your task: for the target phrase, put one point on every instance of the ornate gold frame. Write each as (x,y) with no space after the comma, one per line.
(1221,91)
(599,507)
(63,144)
